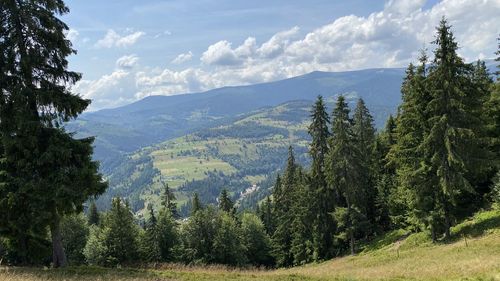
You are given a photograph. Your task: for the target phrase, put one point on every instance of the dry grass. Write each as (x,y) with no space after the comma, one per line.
(480,260)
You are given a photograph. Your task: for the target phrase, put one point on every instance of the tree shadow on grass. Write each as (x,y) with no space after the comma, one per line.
(476,227)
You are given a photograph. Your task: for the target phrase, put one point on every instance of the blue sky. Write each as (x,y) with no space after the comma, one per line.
(129,49)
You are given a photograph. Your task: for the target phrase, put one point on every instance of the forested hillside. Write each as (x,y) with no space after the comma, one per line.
(158,118)
(295,173)
(235,156)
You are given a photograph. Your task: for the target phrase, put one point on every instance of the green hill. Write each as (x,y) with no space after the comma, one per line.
(235,156)
(473,254)
(156,119)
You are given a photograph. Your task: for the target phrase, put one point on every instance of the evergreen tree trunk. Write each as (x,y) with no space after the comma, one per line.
(58,254)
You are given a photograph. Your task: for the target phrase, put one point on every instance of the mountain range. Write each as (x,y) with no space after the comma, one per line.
(233,137)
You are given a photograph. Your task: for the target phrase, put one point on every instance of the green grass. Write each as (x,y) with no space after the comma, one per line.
(394,256)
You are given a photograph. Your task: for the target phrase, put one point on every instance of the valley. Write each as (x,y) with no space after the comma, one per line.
(233,137)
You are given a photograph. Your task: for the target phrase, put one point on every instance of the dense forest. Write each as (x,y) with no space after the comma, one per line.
(435,163)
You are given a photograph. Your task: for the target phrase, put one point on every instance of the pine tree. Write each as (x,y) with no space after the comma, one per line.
(479,157)
(302,246)
(417,187)
(344,170)
(225,203)
(196,204)
(492,113)
(454,127)
(168,235)
(266,215)
(168,200)
(150,242)
(322,196)
(95,250)
(387,213)
(277,193)
(364,134)
(282,237)
(198,235)
(54,171)
(93,215)
(390,131)
(120,234)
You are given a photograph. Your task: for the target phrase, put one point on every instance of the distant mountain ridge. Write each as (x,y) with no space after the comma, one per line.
(232,137)
(155,119)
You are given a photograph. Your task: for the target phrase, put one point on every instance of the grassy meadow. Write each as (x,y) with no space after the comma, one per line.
(473,254)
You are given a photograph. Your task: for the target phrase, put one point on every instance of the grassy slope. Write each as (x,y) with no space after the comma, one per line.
(418,259)
(190,157)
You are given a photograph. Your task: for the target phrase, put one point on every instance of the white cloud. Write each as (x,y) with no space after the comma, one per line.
(110,90)
(278,43)
(182,58)
(388,38)
(127,62)
(164,33)
(113,39)
(220,53)
(72,35)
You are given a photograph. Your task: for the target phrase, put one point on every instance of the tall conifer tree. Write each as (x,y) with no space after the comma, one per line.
(93,215)
(413,169)
(322,202)
(150,242)
(364,134)
(196,204)
(225,203)
(454,127)
(282,237)
(51,173)
(168,200)
(344,174)
(266,215)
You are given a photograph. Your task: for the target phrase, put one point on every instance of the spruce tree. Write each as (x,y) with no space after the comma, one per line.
(150,240)
(168,235)
(388,210)
(454,127)
(322,196)
(50,173)
(120,234)
(266,215)
(196,204)
(364,134)
(282,237)
(168,200)
(198,235)
(225,203)
(93,217)
(492,114)
(417,185)
(302,246)
(478,100)
(344,170)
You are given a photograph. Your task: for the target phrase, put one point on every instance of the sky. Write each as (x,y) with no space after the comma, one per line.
(129,49)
